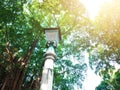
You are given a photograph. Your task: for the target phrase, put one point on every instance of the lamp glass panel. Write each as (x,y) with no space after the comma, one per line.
(52,35)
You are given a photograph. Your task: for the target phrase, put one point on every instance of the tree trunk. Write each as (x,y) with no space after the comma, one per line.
(14,77)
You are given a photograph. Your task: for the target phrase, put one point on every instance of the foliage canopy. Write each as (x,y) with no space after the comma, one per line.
(22,43)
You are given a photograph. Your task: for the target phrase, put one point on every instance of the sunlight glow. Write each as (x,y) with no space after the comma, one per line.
(41,1)
(93,6)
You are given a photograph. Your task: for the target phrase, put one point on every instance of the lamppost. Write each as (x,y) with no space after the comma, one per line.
(52,37)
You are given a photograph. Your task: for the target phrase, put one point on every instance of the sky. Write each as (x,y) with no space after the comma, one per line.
(92,80)
(93,6)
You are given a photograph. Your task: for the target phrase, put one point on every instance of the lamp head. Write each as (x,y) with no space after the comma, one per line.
(52,35)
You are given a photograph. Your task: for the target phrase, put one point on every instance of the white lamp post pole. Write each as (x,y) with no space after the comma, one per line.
(52,37)
(47,74)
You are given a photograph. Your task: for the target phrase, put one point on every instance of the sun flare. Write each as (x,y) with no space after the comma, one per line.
(93,6)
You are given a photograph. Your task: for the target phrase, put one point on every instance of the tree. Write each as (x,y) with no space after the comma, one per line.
(104,55)
(22,43)
(111,83)
(106,29)
(14,30)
